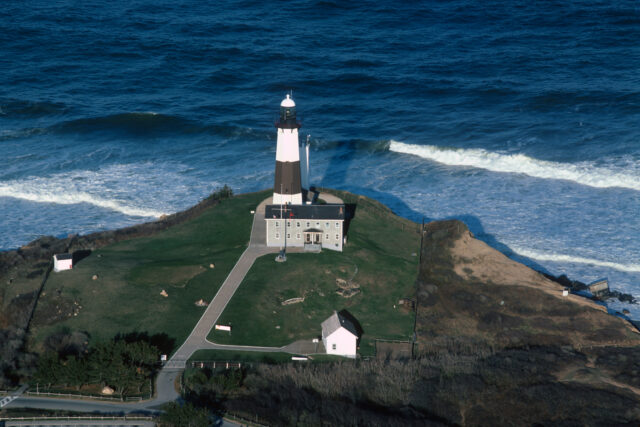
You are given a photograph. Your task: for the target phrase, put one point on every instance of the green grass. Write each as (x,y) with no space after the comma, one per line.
(126,297)
(381,249)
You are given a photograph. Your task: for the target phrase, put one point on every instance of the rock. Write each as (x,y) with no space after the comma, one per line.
(201,303)
(348,293)
(293,301)
(95,277)
(107,390)
(212,265)
(164,293)
(431,288)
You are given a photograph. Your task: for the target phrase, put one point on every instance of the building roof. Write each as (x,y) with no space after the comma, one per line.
(63,256)
(329,211)
(335,322)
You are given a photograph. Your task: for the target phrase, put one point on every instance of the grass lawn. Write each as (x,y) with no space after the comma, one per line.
(131,274)
(380,257)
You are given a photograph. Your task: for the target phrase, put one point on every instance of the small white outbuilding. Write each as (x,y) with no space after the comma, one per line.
(339,336)
(62,262)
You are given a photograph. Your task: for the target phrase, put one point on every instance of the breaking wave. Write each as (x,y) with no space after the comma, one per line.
(65,197)
(542,256)
(113,187)
(584,173)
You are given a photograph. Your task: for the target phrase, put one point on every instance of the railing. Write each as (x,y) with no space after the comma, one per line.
(79,418)
(245,421)
(215,364)
(87,396)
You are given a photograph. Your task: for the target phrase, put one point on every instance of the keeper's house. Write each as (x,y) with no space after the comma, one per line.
(313,227)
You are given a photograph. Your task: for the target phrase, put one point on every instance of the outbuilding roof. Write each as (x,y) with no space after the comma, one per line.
(329,211)
(335,322)
(63,256)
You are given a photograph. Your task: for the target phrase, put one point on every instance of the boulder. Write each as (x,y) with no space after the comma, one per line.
(107,391)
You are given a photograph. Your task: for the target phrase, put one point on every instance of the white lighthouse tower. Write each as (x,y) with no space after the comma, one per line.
(288,186)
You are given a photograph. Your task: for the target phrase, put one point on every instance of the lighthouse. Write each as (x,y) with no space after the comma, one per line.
(287,189)
(293,219)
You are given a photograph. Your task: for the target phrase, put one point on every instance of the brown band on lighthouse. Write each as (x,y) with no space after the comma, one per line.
(287,178)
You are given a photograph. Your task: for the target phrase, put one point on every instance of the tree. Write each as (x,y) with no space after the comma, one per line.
(186,415)
(49,368)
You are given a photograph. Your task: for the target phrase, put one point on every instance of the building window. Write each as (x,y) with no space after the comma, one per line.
(277,235)
(298,224)
(326,225)
(308,225)
(288,223)
(326,237)
(298,236)
(337,237)
(337,225)
(288,235)
(277,223)
(333,346)
(317,224)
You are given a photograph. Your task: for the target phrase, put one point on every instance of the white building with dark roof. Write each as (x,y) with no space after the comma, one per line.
(339,336)
(312,227)
(62,262)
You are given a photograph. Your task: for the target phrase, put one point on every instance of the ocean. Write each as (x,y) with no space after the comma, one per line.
(519,118)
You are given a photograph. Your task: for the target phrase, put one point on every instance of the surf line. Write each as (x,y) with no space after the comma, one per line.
(581,173)
(70,198)
(540,256)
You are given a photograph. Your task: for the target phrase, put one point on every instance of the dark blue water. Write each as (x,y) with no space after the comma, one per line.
(520,118)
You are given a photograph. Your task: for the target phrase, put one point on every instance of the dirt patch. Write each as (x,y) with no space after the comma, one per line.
(175,276)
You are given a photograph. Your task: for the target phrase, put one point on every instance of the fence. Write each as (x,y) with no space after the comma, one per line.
(394,348)
(87,396)
(216,364)
(80,418)
(244,421)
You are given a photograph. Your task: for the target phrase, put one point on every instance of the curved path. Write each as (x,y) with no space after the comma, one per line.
(197,340)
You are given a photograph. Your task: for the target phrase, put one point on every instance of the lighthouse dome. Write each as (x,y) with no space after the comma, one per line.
(288,102)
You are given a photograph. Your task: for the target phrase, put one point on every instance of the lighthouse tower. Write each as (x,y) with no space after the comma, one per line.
(288,187)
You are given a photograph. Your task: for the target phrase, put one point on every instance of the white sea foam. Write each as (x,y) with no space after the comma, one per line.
(62,196)
(554,257)
(133,189)
(584,173)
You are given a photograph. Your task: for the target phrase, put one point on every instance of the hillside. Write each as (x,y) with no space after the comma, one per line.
(497,344)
